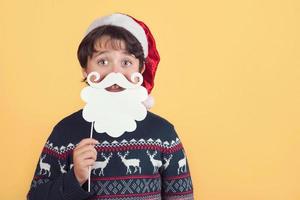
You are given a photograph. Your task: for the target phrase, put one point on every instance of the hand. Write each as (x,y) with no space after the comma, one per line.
(84,155)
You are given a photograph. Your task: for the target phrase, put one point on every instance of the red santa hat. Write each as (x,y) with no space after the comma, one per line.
(142,33)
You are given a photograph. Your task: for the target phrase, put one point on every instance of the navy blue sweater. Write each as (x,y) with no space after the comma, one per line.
(149,163)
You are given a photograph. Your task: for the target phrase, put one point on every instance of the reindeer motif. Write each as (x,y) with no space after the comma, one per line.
(167,161)
(182,164)
(130,162)
(62,167)
(101,164)
(156,163)
(44,166)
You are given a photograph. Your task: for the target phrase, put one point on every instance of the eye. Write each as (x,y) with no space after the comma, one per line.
(127,63)
(102,62)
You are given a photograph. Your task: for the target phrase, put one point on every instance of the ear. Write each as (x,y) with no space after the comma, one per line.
(84,73)
(143,69)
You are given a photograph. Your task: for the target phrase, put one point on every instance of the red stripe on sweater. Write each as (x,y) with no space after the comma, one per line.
(126,195)
(126,177)
(178,193)
(177,177)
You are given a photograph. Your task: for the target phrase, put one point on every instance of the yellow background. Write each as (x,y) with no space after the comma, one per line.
(228,80)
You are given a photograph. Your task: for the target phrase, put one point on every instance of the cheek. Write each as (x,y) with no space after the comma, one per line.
(91,67)
(102,71)
(133,68)
(130,71)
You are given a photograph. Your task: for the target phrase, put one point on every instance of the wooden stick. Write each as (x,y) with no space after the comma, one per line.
(89,181)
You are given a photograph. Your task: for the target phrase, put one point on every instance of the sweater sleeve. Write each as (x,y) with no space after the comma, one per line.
(53,178)
(176,177)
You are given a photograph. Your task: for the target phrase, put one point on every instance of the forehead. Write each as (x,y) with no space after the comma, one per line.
(105,42)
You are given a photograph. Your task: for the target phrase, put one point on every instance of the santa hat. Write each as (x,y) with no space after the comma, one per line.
(142,33)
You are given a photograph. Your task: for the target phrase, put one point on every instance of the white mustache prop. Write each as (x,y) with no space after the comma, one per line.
(115,78)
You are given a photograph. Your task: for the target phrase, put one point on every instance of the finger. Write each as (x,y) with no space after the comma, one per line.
(84,164)
(87,155)
(84,149)
(88,162)
(86,141)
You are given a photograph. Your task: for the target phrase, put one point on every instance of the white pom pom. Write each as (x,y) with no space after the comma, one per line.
(149,102)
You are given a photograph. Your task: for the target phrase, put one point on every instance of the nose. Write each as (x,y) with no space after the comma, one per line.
(116,68)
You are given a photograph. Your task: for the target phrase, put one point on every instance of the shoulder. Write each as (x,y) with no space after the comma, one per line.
(70,119)
(159,120)
(159,126)
(68,128)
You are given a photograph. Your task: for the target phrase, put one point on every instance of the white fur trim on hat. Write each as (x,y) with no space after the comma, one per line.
(149,102)
(126,22)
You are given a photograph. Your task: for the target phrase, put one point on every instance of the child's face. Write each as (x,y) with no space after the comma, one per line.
(108,59)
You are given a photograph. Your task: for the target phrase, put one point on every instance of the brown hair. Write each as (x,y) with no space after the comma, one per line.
(132,45)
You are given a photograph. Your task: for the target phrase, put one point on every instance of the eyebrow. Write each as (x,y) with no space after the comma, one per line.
(102,52)
(99,53)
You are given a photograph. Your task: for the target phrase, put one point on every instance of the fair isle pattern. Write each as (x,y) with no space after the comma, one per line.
(133,185)
(166,147)
(126,186)
(148,165)
(60,152)
(178,184)
(138,197)
(38,180)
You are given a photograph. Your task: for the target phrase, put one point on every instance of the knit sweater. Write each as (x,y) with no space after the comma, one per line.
(149,163)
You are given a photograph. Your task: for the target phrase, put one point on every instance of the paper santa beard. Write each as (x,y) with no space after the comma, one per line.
(114,112)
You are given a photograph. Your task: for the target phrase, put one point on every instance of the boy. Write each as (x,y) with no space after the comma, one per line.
(147,163)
